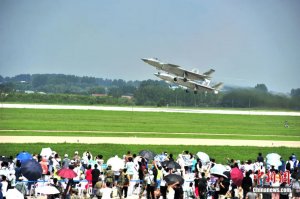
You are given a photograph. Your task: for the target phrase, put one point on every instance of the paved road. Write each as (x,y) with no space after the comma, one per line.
(139,109)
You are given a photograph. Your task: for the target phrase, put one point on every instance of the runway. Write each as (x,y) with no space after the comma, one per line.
(140,109)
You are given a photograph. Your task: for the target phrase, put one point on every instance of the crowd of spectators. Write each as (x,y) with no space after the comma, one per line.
(138,177)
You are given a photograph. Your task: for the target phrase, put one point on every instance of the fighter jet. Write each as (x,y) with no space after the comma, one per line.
(189,84)
(177,71)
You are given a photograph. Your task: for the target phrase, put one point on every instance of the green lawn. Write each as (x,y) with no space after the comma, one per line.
(109,150)
(102,123)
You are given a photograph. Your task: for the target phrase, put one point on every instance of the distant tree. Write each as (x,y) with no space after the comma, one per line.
(97,90)
(115,92)
(39,80)
(261,87)
(7,87)
(295,92)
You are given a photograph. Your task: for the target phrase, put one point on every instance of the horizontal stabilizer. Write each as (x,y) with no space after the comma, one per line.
(218,86)
(208,73)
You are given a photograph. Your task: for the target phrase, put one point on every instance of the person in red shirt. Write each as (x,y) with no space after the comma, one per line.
(88,176)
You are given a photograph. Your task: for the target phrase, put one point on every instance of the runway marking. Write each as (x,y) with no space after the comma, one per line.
(156,133)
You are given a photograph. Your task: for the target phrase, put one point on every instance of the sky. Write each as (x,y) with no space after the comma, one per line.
(247,42)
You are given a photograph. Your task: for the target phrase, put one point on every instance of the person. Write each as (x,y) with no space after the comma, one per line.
(109,175)
(163,184)
(130,167)
(260,158)
(123,183)
(296,188)
(202,186)
(76,156)
(190,192)
(150,184)
(44,165)
(1,195)
(223,187)
(106,192)
(88,176)
(143,183)
(66,161)
(171,190)
(100,162)
(18,169)
(250,194)
(4,186)
(178,191)
(86,195)
(68,191)
(127,156)
(290,164)
(74,194)
(284,195)
(95,175)
(246,183)
(97,188)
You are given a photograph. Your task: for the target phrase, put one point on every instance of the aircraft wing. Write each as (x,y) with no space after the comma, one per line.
(186,74)
(196,86)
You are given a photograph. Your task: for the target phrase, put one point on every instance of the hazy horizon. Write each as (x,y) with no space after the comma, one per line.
(246,42)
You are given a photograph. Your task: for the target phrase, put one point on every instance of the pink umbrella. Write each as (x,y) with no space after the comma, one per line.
(66,173)
(236,176)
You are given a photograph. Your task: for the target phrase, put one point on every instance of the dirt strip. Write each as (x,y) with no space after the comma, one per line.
(147,141)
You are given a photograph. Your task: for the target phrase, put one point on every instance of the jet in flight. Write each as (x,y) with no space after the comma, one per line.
(190,84)
(177,71)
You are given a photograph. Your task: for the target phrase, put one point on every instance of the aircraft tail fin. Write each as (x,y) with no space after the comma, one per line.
(208,73)
(218,86)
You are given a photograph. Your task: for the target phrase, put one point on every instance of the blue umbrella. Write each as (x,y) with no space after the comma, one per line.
(31,169)
(23,156)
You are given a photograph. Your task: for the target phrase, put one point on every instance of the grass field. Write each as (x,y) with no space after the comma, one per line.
(30,122)
(37,122)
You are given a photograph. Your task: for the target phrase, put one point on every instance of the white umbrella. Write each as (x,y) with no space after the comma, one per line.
(14,194)
(160,158)
(273,159)
(47,190)
(273,156)
(218,169)
(203,157)
(116,163)
(46,152)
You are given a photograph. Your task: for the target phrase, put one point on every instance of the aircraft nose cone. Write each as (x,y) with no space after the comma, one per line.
(144,59)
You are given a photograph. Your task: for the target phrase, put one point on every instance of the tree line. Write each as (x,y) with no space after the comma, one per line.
(71,89)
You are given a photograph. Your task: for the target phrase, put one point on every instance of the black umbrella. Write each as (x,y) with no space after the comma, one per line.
(5,159)
(174,178)
(149,155)
(31,169)
(171,164)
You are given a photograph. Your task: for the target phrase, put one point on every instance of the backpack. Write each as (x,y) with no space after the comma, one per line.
(126,180)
